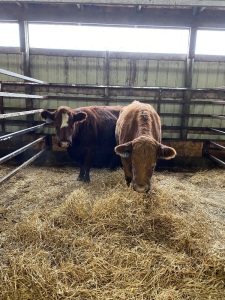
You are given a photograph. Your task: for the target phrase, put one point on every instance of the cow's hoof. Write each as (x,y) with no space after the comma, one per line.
(80,179)
(87,180)
(128,181)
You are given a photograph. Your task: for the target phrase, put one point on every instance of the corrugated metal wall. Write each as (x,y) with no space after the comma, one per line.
(10,62)
(122,72)
(74,70)
(86,70)
(208,74)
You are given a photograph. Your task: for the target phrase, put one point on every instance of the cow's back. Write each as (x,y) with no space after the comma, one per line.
(135,120)
(99,125)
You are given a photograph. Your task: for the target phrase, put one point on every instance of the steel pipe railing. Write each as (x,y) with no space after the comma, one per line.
(218,146)
(23,131)
(22,113)
(9,73)
(19,95)
(11,155)
(16,114)
(219,161)
(26,163)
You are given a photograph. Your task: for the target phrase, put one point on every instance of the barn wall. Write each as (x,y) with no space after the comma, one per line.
(10,62)
(74,70)
(208,74)
(135,70)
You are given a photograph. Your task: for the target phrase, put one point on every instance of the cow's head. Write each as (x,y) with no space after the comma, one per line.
(141,154)
(65,120)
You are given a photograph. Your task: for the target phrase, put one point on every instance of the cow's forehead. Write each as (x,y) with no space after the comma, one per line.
(65,120)
(62,118)
(145,147)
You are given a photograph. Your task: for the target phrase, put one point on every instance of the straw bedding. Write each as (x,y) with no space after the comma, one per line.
(63,239)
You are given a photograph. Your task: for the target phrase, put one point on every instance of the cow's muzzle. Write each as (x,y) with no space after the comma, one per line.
(141,188)
(64,144)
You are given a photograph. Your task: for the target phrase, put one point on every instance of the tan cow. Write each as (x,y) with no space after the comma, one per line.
(138,136)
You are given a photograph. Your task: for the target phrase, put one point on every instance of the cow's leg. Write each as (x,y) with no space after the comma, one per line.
(127,170)
(87,165)
(81,174)
(128,180)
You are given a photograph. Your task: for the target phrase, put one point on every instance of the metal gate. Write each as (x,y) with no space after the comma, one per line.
(209,146)
(21,132)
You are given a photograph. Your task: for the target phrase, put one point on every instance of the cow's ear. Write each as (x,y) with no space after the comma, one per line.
(47,115)
(124,150)
(79,117)
(166,152)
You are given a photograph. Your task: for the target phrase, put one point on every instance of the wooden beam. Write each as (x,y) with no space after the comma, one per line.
(126,15)
(170,3)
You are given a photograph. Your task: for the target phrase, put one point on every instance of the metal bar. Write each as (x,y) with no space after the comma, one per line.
(90,86)
(217,145)
(2,123)
(15,95)
(24,46)
(218,117)
(22,166)
(220,162)
(11,155)
(5,72)
(10,135)
(217,130)
(185,113)
(23,113)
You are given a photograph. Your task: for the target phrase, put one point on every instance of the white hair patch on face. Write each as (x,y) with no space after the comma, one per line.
(65,119)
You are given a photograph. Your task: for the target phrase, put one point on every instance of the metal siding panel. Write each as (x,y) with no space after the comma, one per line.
(152,72)
(168,121)
(206,122)
(119,72)
(170,74)
(80,71)
(170,108)
(208,74)
(170,135)
(15,102)
(39,66)
(162,73)
(10,62)
(220,74)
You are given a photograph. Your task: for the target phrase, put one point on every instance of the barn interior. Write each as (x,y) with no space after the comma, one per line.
(61,239)
(187,90)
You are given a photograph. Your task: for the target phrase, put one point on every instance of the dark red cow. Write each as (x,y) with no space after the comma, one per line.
(138,135)
(88,133)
